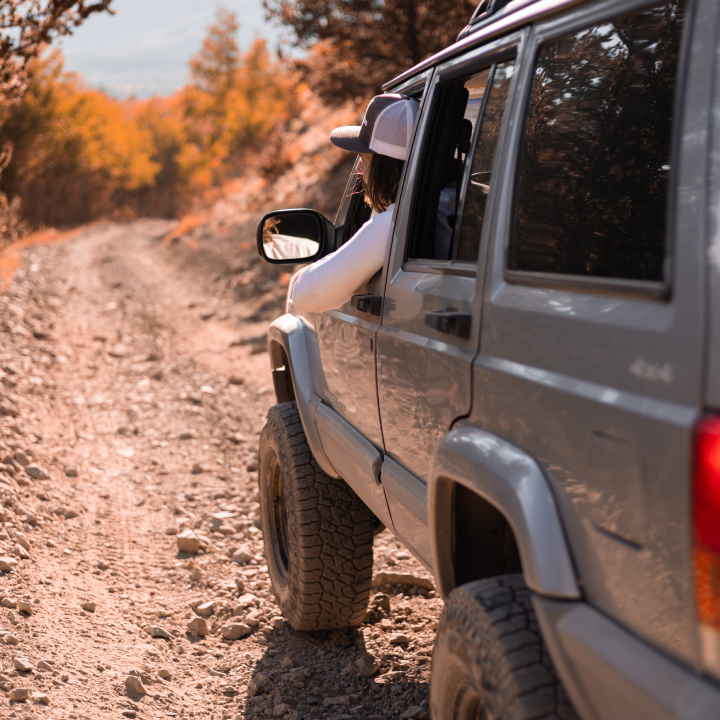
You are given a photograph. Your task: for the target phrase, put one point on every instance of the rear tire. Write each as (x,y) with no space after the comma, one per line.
(318,534)
(490,661)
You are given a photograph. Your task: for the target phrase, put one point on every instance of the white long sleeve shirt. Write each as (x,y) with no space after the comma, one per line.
(331,282)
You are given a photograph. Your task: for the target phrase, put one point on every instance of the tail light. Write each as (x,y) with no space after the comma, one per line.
(706,550)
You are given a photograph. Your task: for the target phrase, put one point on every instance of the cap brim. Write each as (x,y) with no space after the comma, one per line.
(348,138)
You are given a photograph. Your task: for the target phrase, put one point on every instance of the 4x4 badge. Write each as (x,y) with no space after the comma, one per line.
(334,400)
(652,372)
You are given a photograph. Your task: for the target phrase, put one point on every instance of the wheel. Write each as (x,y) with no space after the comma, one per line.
(318,534)
(490,661)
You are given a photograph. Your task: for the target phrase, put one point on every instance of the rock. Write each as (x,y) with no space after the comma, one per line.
(226,530)
(135,688)
(157,632)
(415,712)
(7,564)
(237,438)
(22,540)
(243,603)
(242,555)
(205,609)
(196,576)
(20,694)
(10,639)
(252,466)
(197,468)
(44,665)
(367,665)
(339,700)
(235,631)
(102,565)
(399,639)
(391,578)
(21,552)
(188,541)
(198,626)
(21,458)
(40,698)
(9,602)
(287,662)
(236,380)
(36,472)
(25,607)
(71,470)
(186,435)
(21,663)
(386,624)
(130,713)
(258,685)
(164,673)
(171,530)
(89,606)
(280,710)
(239,584)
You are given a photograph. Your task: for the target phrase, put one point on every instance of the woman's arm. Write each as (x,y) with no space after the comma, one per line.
(330,282)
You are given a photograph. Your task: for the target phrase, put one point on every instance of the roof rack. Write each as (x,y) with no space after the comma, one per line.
(487,9)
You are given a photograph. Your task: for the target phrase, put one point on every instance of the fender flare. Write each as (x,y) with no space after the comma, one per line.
(290,333)
(515,484)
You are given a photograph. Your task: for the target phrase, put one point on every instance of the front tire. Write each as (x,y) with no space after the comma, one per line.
(490,661)
(318,534)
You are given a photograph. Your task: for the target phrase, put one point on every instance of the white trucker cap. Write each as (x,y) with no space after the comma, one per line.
(386,129)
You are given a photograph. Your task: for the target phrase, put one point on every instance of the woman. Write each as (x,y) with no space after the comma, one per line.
(383,141)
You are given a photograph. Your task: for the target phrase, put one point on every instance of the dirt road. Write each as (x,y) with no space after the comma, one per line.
(133,393)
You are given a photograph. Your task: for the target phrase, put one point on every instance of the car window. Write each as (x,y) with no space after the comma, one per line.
(435,232)
(466,241)
(592,191)
(359,211)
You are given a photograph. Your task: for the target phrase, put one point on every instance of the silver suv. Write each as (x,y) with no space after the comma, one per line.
(531,411)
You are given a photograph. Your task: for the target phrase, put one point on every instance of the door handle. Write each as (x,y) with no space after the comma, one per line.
(450,322)
(370,304)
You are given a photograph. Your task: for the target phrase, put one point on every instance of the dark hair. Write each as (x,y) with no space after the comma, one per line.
(382,177)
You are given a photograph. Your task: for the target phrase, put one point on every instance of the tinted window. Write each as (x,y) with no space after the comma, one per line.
(593,184)
(467,242)
(463,105)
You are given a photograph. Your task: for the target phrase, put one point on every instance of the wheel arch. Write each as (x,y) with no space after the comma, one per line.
(502,484)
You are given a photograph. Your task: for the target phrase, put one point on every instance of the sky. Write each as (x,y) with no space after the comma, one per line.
(143,49)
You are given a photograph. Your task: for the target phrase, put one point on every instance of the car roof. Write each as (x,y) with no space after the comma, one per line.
(514,15)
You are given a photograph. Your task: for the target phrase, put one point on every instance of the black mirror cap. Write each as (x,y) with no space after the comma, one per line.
(327,240)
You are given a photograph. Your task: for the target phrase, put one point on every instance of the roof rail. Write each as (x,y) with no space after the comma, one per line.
(485,10)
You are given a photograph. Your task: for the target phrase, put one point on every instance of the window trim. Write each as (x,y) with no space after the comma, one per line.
(500,50)
(575,20)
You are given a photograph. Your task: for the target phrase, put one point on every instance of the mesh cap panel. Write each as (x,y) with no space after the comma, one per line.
(391,126)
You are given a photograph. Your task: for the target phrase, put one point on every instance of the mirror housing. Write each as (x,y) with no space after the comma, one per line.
(292,237)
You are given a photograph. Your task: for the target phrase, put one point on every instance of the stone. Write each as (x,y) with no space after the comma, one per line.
(22,540)
(71,470)
(280,710)
(235,631)
(391,578)
(21,458)
(188,541)
(243,603)
(36,472)
(198,626)
(196,576)
(206,609)
(157,632)
(226,530)
(236,380)
(334,701)
(135,688)
(89,606)
(10,639)
(25,607)
(40,698)
(386,624)
(415,712)
(130,713)
(258,685)
(171,530)
(242,555)
(22,663)
(21,552)
(252,466)
(287,662)
(20,694)
(9,602)
(367,665)
(164,673)
(7,564)
(44,665)
(197,468)
(399,639)
(239,584)
(186,435)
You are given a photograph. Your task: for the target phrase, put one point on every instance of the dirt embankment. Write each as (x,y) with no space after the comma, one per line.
(133,393)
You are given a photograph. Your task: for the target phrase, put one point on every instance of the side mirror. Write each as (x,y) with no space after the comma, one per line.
(289,237)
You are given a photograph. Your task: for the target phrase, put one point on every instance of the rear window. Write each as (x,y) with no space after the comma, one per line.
(592,192)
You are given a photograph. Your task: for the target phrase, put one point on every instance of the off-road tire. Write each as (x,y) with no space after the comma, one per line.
(490,661)
(318,534)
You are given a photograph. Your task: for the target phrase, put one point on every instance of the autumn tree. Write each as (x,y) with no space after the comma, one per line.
(357,45)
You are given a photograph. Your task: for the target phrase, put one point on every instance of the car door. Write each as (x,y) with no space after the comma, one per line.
(593,314)
(431,313)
